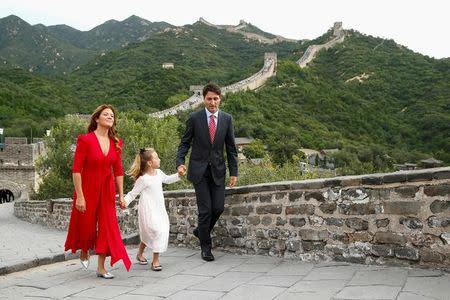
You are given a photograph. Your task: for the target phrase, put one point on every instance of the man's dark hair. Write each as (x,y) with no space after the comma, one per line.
(211,87)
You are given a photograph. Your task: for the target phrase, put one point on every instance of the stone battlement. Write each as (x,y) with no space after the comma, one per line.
(253,82)
(311,51)
(400,218)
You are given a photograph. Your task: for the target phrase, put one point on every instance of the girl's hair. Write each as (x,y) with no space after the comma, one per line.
(112,133)
(140,162)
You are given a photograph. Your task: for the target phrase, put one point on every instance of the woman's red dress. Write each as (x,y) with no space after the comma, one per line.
(97,226)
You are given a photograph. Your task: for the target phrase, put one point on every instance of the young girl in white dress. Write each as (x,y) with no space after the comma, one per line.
(152,214)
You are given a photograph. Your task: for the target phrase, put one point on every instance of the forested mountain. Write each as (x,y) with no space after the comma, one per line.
(60,49)
(372,98)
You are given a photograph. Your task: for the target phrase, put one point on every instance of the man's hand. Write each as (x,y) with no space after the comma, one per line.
(181,170)
(80,204)
(233,180)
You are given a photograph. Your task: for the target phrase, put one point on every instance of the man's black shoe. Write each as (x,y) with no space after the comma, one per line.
(195,232)
(207,255)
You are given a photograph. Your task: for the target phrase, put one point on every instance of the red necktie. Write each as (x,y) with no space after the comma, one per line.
(212,128)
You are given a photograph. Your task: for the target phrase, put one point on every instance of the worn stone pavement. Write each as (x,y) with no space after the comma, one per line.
(186,276)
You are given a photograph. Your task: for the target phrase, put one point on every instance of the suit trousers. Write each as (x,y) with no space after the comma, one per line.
(210,204)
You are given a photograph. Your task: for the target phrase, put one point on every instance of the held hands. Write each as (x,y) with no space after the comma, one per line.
(122,203)
(80,204)
(181,170)
(233,181)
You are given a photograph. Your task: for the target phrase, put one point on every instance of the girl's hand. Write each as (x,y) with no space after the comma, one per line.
(122,203)
(80,204)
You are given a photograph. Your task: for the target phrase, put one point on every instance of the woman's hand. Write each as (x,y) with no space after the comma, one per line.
(80,204)
(122,203)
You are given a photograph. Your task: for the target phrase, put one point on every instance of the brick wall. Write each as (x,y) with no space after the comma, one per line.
(396,218)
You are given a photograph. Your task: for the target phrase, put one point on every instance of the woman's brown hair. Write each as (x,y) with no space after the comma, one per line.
(112,132)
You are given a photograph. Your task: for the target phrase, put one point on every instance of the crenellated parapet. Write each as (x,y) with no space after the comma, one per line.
(249,35)
(311,51)
(251,83)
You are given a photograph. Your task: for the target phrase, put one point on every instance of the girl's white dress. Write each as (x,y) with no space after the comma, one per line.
(152,215)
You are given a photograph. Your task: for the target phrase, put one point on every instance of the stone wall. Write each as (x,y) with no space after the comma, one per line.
(311,51)
(396,218)
(253,82)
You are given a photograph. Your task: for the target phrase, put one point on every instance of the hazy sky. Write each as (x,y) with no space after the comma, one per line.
(422,26)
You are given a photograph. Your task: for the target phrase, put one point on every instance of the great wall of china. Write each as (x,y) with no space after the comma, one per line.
(258,79)
(311,51)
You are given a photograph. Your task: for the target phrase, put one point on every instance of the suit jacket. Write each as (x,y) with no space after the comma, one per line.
(203,152)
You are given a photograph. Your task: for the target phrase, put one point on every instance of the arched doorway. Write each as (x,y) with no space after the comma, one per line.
(6,196)
(11,191)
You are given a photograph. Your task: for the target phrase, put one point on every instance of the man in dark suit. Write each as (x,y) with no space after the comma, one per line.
(209,131)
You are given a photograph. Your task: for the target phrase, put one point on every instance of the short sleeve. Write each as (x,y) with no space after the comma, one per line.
(118,167)
(81,150)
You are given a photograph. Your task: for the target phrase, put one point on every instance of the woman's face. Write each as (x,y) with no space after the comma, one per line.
(106,118)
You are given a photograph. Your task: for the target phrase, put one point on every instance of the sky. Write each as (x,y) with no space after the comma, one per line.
(421,25)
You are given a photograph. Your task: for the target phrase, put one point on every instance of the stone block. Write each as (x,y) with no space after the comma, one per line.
(266,220)
(434,221)
(314,195)
(235,232)
(295,196)
(313,235)
(273,233)
(382,250)
(313,245)
(355,195)
(406,253)
(415,177)
(429,255)
(441,175)
(297,222)
(437,190)
(242,210)
(352,181)
(445,237)
(328,207)
(381,223)
(356,208)
(357,224)
(301,209)
(315,220)
(334,222)
(313,184)
(361,236)
(253,220)
(293,246)
(394,177)
(406,191)
(439,206)
(265,198)
(269,209)
(402,207)
(372,180)
(281,221)
(411,222)
(332,183)
(390,238)
(279,196)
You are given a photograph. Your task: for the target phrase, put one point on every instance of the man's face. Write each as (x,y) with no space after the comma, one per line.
(212,102)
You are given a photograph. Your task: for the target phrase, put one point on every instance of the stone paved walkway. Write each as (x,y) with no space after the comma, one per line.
(186,276)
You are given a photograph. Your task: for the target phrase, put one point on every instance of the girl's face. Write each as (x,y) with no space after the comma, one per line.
(155,161)
(106,118)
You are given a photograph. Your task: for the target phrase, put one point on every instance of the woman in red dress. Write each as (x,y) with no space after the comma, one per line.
(97,170)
